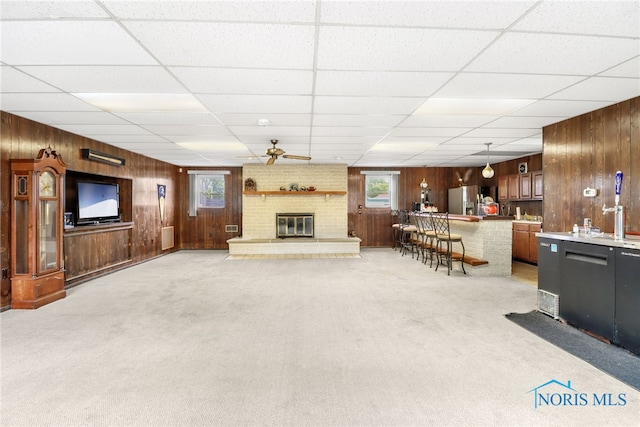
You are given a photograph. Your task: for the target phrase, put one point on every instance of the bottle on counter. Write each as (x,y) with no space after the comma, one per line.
(576,230)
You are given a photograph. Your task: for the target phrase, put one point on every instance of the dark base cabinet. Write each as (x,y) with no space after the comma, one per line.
(627,324)
(587,296)
(598,286)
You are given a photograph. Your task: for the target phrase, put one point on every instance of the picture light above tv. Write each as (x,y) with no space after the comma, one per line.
(98,203)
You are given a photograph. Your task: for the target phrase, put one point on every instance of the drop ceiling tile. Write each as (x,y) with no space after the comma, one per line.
(485,14)
(261,104)
(127,139)
(499,133)
(246,11)
(427,132)
(170,118)
(350,131)
(55,118)
(245,81)
(531,122)
(561,109)
(362,140)
(378,83)
(203,130)
(227,44)
(15,81)
(613,18)
(70,43)
(180,139)
(251,119)
(24,102)
(51,9)
(602,89)
(105,79)
(269,132)
(365,105)
(630,68)
(554,54)
(469,106)
(500,85)
(261,143)
(402,49)
(357,120)
(84,129)
(161,147)
(448,120)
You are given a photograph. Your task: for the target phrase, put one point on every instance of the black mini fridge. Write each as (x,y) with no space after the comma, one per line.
(627,326)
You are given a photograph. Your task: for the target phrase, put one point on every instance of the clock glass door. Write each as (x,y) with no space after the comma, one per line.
(48,246)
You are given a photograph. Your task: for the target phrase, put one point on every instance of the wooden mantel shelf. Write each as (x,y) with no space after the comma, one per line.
(294,193)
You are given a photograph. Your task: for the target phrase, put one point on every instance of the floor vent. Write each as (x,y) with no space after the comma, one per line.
(549,303)
(231,228)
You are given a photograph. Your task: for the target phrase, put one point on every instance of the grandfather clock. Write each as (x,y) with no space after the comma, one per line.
(37,204)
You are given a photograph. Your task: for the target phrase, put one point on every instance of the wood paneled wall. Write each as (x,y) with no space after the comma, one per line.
(206,230)
(22,138)
(586,151)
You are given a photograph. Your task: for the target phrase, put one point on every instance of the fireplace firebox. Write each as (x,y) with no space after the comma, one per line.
(294,225)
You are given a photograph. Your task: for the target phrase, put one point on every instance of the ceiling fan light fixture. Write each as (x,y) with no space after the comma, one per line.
(487,172)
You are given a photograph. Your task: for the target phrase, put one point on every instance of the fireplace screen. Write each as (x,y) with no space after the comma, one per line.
(294,225)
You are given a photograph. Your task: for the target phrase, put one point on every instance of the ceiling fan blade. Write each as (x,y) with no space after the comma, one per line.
(271,160)
(291,156)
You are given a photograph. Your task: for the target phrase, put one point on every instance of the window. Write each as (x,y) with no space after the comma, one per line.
(381,189)
(206,190)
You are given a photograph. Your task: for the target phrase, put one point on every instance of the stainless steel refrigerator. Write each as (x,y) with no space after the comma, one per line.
(463,200)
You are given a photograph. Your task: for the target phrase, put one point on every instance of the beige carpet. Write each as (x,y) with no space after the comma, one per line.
(194,339)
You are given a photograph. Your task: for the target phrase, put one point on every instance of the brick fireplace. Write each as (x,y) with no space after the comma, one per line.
(328,204)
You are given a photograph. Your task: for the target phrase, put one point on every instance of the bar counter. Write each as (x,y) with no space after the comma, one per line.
(485,237)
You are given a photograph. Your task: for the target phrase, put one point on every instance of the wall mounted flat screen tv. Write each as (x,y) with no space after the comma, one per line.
(98,202)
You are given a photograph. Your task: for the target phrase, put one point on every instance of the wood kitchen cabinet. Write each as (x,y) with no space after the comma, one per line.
(525,243)
(521,186)
(524,179)
(537,185)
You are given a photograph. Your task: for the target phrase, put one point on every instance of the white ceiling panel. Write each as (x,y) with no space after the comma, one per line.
(251,119)
(86,129)
(463,15)
(554,54)
(245,81)
(612,18)
(365,105)
(398,49)
(630,68)
(21,9)
(249,11)
(129,140)
(57,118)
(107,79)
(15,81)
(269,132)
(171,130)
(447,120)
(561,109)
(25,102)
(334,78)
(361,83)
(483,85)
(601,89)
(170,118)
(350,131)
(266,104)
(70,43)
(208,44)
(427,132)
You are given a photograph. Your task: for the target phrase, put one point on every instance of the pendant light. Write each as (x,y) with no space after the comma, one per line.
(487,172)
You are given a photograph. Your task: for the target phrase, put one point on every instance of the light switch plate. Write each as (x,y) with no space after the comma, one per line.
(589,192)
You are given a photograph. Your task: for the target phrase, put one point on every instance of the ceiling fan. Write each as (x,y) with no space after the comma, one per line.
(273,153)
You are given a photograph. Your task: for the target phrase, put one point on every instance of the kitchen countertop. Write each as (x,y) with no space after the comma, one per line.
(632,242)
(526,221)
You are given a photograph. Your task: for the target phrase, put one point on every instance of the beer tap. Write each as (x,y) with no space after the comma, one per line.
(618,210)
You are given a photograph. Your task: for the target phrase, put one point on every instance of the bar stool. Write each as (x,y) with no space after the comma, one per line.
(428,238)
(409,234)
(444,236)
(401,220)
